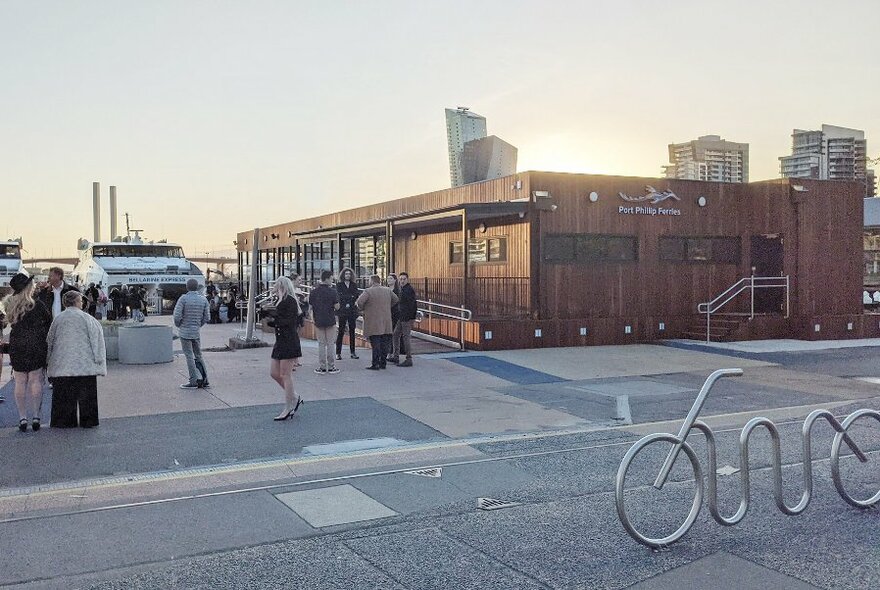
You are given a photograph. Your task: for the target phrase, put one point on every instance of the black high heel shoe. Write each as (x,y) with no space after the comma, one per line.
(284,417)
(299,402)
(35,425)
(22,424)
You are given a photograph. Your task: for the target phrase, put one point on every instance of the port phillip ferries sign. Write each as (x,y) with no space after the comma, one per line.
(647,201)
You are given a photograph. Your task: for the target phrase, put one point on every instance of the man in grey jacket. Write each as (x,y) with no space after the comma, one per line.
(191,313)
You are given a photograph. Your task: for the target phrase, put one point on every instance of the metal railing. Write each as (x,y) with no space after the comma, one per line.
(679,444)
(745,284)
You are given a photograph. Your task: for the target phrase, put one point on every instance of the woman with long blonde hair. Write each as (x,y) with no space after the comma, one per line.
(30,320)
(287,347)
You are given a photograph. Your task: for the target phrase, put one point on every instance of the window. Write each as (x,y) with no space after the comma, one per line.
(482,250)
(713,250)
(581,248)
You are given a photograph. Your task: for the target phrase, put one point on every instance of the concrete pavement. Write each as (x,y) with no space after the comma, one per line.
(374,484)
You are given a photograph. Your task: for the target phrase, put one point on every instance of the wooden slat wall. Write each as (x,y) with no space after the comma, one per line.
(826,269)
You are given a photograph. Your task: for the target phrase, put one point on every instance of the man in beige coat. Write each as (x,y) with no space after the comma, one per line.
(375,303)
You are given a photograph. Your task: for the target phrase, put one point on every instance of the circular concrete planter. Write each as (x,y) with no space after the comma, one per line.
(145,345)
(111,339)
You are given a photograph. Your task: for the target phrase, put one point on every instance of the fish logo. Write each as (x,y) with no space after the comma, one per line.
(651,194)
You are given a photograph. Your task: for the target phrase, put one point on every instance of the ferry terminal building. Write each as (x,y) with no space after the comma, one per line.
(550,259)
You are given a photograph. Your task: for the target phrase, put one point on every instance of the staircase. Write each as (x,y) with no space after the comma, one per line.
(723,327)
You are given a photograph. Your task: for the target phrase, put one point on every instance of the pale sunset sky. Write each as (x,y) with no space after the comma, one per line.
(213,117)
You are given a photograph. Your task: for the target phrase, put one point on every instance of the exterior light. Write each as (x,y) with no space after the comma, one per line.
(701,201)
(413,236)
(594,196)
(482,228)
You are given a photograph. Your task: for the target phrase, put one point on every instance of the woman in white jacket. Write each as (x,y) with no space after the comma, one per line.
(77,356)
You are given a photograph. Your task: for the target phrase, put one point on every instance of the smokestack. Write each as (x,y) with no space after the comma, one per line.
(113,233)
(96,209)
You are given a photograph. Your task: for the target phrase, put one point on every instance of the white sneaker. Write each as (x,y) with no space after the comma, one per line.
(332,370)
(320,371)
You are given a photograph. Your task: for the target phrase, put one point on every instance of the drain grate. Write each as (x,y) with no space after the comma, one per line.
(430,472)
(493,504)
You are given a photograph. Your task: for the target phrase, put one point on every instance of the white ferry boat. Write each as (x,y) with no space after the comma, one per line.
(10,262)
(157,266)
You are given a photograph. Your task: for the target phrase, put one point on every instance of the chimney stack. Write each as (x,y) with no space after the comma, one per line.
(113,233)
(96,210)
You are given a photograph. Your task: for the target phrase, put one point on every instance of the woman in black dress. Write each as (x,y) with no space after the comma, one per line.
(30,320)
(287,348)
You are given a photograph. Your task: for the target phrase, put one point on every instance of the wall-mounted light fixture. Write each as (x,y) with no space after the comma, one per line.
(594,196)
(413,235)
(235,242)
(275,236)
(544,201)
(701,201)
(481,228)
(265,238)
(289,234)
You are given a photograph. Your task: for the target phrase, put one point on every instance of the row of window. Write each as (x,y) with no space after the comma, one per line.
(583,248)
(480,250)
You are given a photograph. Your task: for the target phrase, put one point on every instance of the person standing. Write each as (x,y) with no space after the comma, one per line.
(77,355)
(92,297)
(324,301)
(287,347)
(55,289)
(409,307)
(136,304)
(303,300)
(30,320)
(391,281)
(376,302)
(101,307)
(348,312)
(190,314)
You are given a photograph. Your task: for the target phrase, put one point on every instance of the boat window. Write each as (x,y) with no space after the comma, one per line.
(9,251)
(148,251)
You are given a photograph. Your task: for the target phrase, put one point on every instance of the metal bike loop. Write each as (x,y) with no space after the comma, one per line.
(679,443)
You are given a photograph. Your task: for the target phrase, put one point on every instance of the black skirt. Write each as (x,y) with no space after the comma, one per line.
(287,344)
(68,393)
(27,340)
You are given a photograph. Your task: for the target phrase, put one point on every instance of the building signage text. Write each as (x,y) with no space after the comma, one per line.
(651,197)
(647,210)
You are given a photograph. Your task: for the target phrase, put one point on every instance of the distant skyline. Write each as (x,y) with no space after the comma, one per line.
(212,117)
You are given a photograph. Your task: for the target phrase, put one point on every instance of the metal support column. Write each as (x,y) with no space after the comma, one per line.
(389,247)
(465,262)
(252,293)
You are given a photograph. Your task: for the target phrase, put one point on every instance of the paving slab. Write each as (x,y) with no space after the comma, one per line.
(591,362)
(428,559)
(722,571)
(334,505)
(489,412)
(70,545)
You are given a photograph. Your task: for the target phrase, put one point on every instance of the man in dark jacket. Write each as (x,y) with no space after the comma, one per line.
(408,307)
(55,289)
(348,313)
(324,301)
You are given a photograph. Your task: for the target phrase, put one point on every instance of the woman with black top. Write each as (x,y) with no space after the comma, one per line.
(287,348)
(30,320)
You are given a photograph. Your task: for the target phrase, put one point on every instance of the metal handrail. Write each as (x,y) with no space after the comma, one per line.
(749,283)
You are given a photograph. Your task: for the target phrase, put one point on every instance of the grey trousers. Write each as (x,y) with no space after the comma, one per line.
(402,331)
(326,340)
(192,350)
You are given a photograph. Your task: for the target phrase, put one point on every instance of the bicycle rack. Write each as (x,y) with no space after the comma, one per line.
(679,443)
